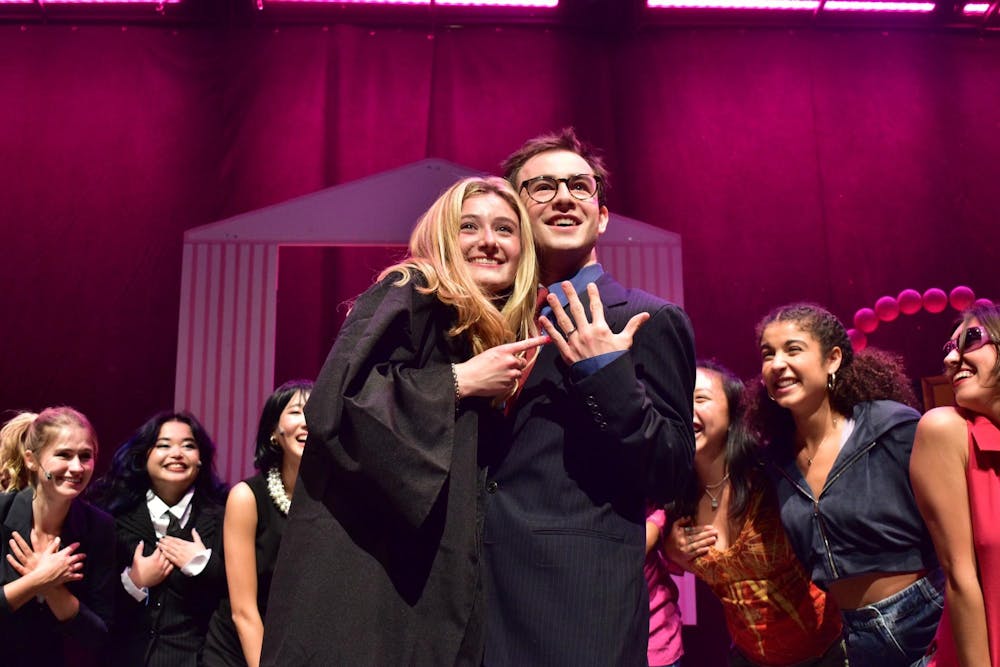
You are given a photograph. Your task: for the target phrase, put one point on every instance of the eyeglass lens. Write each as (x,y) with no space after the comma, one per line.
(544,188)
(974,339)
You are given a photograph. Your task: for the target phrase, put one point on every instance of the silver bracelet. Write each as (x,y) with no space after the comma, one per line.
(458,393)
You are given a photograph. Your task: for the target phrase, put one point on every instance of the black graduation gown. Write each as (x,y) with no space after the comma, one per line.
(380,560)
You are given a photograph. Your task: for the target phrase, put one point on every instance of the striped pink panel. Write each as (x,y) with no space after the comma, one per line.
(654,267)
(225,346)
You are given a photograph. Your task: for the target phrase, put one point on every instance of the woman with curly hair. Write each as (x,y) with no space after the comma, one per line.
(256,513)
(955,470)
(57,581)
(167,503)
(840,436)
(384,535)
(730,535)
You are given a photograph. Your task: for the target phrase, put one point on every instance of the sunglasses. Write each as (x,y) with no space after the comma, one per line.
(972,339)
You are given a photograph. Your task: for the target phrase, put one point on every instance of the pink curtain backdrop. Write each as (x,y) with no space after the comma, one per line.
(821,165)
(833,166)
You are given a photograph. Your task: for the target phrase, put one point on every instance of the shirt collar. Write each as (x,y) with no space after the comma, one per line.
(985,434)
(158,508)
(588,274)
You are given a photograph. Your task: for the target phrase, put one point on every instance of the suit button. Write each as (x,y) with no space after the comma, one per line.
(492,486)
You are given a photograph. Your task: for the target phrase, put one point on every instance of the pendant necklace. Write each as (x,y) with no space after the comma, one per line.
(714,498)
(809,459)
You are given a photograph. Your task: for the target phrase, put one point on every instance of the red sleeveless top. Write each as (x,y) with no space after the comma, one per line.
(983,475)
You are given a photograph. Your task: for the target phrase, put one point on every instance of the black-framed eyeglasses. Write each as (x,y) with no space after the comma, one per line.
(543,189)
(970,340)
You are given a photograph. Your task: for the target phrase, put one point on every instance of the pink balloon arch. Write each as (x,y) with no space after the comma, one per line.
(908,302)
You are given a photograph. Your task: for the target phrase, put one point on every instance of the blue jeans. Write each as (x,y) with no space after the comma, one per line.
(896,631)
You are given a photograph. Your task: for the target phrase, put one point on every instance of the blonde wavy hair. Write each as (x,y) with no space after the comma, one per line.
(30,432)
(434,253)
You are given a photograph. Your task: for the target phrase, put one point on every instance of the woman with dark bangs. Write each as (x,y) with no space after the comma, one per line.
(167,502)
(840,434)
(256,514)
(955,470)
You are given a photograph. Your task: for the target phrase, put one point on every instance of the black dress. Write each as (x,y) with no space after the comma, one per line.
(222,647)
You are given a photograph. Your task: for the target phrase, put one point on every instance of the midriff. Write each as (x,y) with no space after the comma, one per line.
(866,589)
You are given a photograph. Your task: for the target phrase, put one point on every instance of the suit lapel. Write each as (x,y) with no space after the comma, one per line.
(137,525)
(19,517)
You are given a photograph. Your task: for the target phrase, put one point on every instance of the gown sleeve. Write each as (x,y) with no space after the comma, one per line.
(383,408)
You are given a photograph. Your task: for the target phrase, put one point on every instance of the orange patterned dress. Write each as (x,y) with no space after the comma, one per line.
(775,615)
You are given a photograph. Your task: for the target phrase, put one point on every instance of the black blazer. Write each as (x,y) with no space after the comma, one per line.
(168,629)
(565,508)
(32,635)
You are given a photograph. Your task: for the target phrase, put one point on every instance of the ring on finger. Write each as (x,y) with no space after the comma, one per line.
(570,332)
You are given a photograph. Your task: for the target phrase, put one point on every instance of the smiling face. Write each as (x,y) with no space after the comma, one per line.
(711,413)
(173,461)
(291,431)
(972,373)
(794,368)
(489,239)
(63,467)
(566,228)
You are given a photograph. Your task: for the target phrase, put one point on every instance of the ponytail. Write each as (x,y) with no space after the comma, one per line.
(13,474)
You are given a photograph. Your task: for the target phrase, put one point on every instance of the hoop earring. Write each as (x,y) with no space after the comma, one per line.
(274,441)
(831,381)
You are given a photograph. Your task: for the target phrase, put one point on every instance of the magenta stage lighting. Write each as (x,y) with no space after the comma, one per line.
(443,3)
(497,3)
(975,8)
(784,5)
(425,3)
(84,3)
(877,6)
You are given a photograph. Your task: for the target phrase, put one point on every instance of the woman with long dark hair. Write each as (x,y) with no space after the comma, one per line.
(839,433)
(730,535)
(955,470)
(256,513)
(167,502)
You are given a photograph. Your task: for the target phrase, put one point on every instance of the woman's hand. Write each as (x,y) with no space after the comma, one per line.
(47,566)
(151,570)
(496,371)
(684,542)
(180,552)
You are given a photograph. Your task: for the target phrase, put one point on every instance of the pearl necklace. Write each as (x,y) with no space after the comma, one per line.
(715,499)
(276,488)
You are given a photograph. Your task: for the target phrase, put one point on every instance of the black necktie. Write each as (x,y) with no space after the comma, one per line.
(173,526)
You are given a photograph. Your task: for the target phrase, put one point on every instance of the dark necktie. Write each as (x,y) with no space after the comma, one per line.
(173,526)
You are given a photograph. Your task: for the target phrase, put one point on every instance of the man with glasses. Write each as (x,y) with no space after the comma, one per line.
(602,423)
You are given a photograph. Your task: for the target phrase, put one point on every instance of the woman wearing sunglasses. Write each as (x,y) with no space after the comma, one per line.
(955,471)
